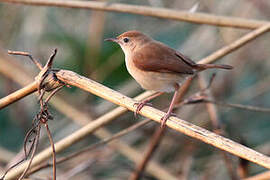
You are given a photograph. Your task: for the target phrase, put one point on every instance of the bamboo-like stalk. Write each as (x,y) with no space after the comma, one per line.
(236,44)
(156,138)
(178,15)
(261,176)
(10,69)
(6,155)
(213,115)
(179,125)
(19,94)
(83,132)
(152,113)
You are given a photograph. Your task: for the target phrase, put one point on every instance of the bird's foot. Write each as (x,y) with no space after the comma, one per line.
(165,118)
(140,106)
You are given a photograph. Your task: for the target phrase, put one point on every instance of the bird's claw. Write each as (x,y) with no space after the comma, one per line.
(140,106)
(165,118)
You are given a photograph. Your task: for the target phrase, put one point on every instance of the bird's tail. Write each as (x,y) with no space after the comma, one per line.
(201,67)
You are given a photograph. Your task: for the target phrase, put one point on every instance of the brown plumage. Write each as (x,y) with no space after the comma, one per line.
(156,66)
(169,60)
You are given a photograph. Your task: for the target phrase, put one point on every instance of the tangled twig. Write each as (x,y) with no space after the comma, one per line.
(42,117)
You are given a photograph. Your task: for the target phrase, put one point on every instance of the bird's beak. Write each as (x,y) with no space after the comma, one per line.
(111,39)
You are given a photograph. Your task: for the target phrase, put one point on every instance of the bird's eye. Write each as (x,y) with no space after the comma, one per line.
(126,40)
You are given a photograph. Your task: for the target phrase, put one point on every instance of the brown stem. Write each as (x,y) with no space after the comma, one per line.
(17,95)
(36,140)
(94,146)
(201,18)
(159,132)
(155,141)
(53,149)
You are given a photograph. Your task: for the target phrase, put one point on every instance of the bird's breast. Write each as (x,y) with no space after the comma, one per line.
(157,81)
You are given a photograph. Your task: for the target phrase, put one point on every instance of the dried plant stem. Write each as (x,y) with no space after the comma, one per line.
(94,146)
(262,176)
(36,140)
(19,94)
(210,107)
(13,71)
(240,106)
(21,53)
(156,138)
(88,129)
(6,155)
(178,15)
(213,115)
(53,149)
(154,114)
(236,44)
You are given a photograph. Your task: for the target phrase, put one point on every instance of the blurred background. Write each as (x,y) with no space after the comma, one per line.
(78,34)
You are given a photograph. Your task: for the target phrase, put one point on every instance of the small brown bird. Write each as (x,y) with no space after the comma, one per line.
(156,66)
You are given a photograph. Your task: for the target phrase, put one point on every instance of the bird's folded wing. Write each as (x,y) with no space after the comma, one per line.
(165,59)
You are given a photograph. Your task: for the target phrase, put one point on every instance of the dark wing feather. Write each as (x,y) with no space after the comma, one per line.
(165,60)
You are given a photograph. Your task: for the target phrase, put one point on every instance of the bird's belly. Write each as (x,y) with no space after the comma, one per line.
(162,82)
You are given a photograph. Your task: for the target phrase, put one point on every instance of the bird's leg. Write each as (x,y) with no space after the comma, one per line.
(145,102)
(173,102)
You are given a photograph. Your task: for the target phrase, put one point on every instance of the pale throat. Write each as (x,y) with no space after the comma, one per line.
(127,55)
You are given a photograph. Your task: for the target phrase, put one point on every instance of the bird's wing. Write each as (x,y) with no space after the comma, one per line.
(165,60)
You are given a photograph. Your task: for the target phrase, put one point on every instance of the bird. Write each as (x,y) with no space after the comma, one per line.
(158,67)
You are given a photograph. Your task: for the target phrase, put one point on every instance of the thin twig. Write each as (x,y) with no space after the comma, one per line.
(155,141)
(83,132)
(82,118)
(43,116)
(53,93)
(36,85)
(17,95)
(213,115)
(175,123)
(178,15)
(21,53)
(26,153)
(36,140)
(53,149)
(68,174)
(261,176)
(240,106)
(206,99)
(236,44)
(156,138)
(94,146)
(6,155)
(33,130)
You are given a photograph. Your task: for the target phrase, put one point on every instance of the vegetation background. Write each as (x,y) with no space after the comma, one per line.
(78,34)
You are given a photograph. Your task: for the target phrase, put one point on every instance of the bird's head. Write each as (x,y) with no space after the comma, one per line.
(130,41)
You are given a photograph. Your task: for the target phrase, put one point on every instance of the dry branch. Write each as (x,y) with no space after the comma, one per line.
(83,132)
(156,138)
(217,128)
(179,125)
(236,44)
(178,15)
(94,146)
(13,71)
(261,176)
(19,94)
